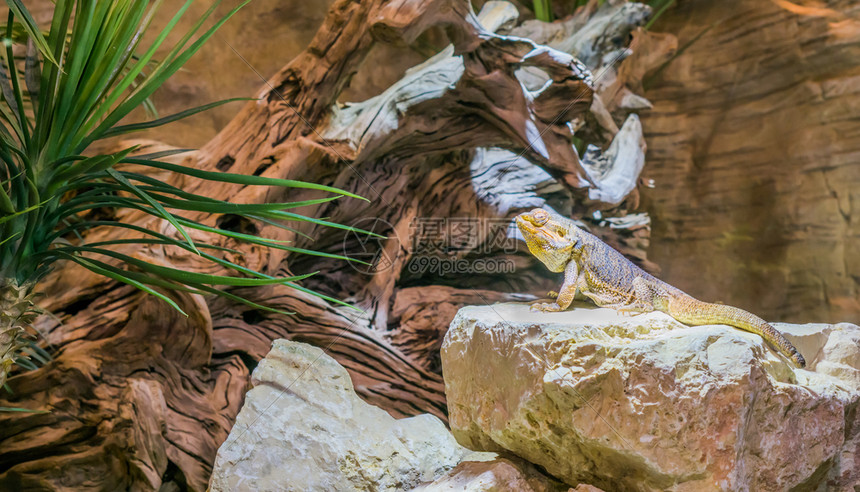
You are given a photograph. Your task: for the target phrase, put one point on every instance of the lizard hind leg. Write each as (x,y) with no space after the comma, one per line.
(638,301)
(623,306)
(644,295)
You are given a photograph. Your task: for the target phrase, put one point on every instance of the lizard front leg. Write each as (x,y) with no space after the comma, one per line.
(565,294)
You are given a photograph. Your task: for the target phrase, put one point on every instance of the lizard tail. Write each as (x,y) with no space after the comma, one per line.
(695,312)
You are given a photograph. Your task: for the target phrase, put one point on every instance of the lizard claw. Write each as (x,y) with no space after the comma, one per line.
(633,310)
(622,310)
(552,294)
(547,307)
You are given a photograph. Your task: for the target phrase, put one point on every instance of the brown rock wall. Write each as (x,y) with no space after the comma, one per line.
(754,149)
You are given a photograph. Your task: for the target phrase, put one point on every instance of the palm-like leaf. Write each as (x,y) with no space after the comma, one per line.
(78,82)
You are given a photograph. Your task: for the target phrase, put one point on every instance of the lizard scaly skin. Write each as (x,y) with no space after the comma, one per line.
(611,280)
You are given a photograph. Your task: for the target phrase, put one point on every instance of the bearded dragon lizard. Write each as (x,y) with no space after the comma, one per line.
(610,280)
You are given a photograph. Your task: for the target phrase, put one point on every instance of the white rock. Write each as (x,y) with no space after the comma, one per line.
(302,427)
(646,403)
(498,475)
(615,171)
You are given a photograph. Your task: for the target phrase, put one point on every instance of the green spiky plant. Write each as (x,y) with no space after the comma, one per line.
(77,83)
(543,10)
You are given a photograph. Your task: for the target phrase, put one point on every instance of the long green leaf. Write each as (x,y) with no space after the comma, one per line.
(158,186)
(36,355)
(11,237)
(152,203)
(141,277)
(97,194)
(202,289)
(26,410)
(663,6)
(26,363)
(244,301)
(92,118)
(138,95)
(17,92)
(323,296)
(120,130)
(281,225)
(89,19)
(262,241)
(48,86)
(172,242)
(112,52)
(87,167)
(193,202)
(253,210)
(222,207)
(242,179)
(32,28)
(19,213)
(271,243)
(108,272)
(186,277)
(110,223)
(543,10)
(165,241)
(6,205)
(109,68)
(106,117)
(6,87)
(6,111)
(163,153)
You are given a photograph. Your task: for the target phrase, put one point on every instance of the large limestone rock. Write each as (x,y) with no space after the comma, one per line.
(303,428)
(646,403)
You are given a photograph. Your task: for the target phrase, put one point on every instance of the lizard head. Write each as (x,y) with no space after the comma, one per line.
(548,237)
